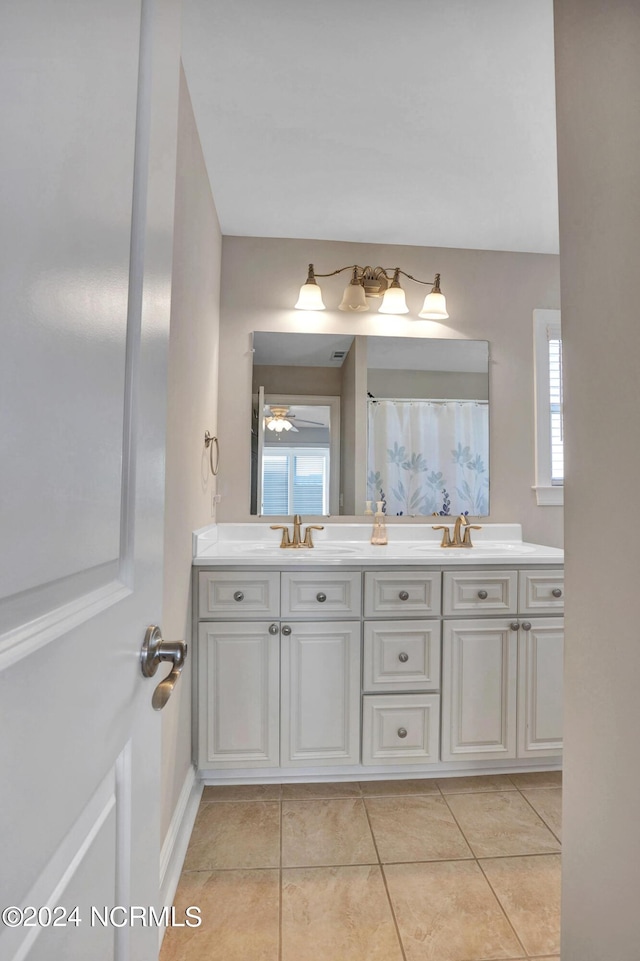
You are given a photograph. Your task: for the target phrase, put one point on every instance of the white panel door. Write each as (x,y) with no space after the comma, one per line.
(540,697)
(479,680)
(320,677)
(87,169)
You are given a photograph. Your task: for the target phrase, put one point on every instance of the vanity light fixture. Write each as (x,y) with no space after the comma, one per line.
(374,282)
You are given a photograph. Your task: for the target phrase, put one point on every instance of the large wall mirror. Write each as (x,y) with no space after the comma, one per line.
(339,420)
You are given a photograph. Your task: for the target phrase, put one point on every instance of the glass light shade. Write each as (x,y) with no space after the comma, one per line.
(310,298)
(354,298)
(393,302)
(434,307)
(279,424)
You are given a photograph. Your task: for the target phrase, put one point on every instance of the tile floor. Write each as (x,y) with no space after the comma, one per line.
(455,869)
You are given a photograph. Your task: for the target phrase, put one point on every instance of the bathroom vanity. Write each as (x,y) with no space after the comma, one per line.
(353,661)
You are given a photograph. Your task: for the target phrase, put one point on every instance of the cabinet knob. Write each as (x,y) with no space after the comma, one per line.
(403,657)
(402,732)
(286,630)
(404,595)
(320,597)
(526,625)
(556,592)
(238,596)
(483,595)
(515,625)
(273,628)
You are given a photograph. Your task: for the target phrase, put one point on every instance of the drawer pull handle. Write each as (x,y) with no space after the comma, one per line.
(238,596)
(526,625)
(403,657)
(404,595)
(286,630)
(483,595)
(402,732)
(321,598)
(515,625)
(556,592)
(273,628)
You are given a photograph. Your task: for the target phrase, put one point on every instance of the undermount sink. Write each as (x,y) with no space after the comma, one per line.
(477,549)
(271,550)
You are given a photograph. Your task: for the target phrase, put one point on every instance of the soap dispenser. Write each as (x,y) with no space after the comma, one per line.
(379,533)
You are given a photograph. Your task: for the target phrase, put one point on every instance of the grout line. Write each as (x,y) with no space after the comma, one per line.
(558,839)
(384,881)
(280,886)
(477,861)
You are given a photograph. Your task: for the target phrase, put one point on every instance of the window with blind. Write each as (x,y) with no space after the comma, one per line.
(295,481)
(548,406)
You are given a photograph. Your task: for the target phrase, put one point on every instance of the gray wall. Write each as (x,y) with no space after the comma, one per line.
(491,296)
(192,408)
(598,79)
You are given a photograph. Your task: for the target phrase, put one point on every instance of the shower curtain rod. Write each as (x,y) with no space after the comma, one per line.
(426,400)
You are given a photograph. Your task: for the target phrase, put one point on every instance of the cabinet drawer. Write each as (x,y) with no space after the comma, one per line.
(401,655)
(335,594)
(541,592)
(491,592)
(403,593)
(400,729)
(239,594)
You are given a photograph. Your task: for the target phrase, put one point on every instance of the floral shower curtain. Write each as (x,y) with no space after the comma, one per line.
(428,456)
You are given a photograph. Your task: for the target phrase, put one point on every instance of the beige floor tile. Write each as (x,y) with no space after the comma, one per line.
(337,914)
(475,784)
(301,792)
(537,779)
(241,792)
(415,829)
(326,832)
(529,890)
(501,823)
(235,834)
(446,911)
(425,785)
(240,917)
(547,801)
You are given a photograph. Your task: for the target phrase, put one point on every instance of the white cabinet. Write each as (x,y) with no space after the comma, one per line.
(502,688)
(479,686)
(281,693)
(320,664)
(238,694)
(540,697)
(308,671)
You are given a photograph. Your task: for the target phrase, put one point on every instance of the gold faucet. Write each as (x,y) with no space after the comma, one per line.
(296,541)
(458,541)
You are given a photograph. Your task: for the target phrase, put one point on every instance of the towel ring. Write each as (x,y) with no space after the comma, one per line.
(210,441)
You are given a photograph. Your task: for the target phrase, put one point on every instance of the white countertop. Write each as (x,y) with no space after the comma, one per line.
(348,545)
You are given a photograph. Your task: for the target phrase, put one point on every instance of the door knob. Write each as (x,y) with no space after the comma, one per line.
(154,652)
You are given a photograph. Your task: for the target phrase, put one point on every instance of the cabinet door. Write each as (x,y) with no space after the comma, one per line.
(238,695)
(320,693)
(479,682)
(540,687)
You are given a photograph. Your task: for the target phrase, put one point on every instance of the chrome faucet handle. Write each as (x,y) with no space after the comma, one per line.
(285,540)
(446,535)
(308,538)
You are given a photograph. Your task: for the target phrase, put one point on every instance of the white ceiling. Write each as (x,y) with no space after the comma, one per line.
(426,122)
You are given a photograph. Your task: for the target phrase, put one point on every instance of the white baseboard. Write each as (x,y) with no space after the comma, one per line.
(175,844)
